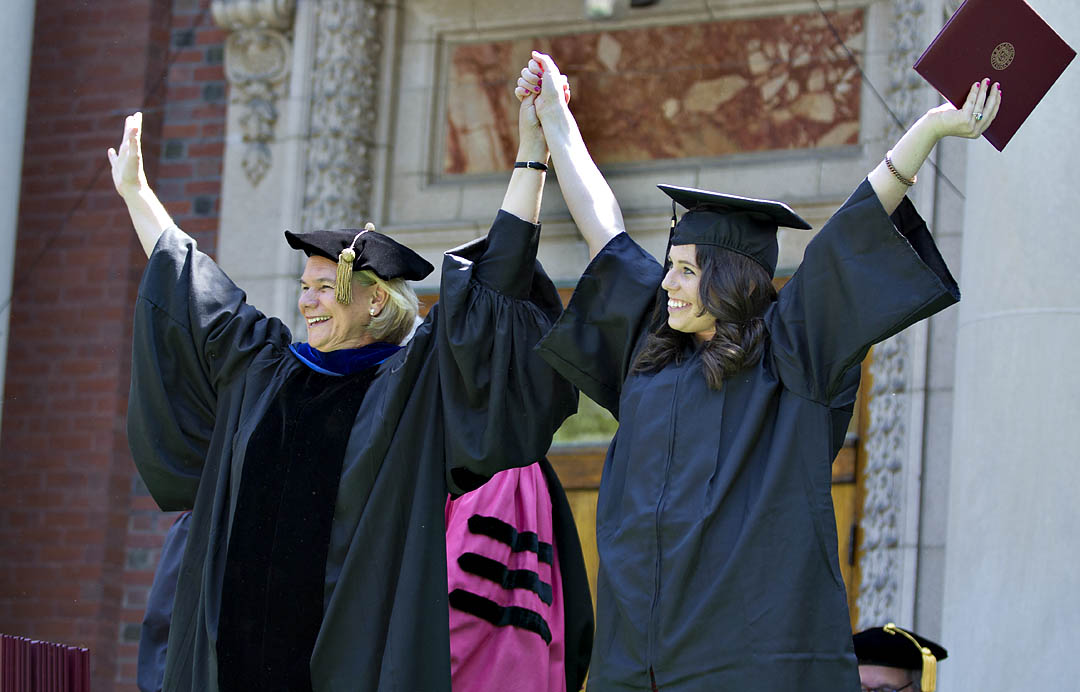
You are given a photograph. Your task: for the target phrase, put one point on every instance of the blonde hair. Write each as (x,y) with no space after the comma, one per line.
(395,320)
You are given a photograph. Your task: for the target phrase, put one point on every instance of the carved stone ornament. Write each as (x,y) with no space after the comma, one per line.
(257,57)
(886,446)
(886,443)
(344,113)
(242,14)
(906,87)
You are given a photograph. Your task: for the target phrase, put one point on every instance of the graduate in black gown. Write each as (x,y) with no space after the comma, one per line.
(317,473)
(715,525)
(154,632)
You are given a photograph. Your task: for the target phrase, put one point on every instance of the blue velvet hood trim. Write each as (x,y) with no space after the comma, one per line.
(345,361)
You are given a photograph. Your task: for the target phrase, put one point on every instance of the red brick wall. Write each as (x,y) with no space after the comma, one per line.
(79,537)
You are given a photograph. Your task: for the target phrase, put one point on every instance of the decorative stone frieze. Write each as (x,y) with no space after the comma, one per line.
(736,85)
(257,57)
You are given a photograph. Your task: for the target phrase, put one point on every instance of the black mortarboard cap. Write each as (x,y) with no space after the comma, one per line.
(896,648)
(357,250)
(381,254)
(741,224)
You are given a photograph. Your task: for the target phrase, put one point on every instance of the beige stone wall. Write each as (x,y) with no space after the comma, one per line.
(1010,547)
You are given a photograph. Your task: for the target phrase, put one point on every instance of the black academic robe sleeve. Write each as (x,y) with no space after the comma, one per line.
(502,401)
(864,278)
(193,334)
(594,341)
(154,633)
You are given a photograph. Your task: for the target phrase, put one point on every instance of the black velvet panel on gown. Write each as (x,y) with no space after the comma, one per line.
(272,601)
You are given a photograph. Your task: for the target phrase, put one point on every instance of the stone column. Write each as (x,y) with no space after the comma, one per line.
(1011,613)
(16,37)
(302,120)
(889,526)
(344,112)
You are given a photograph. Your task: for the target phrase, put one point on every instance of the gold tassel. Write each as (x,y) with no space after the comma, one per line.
(343,287)
(929,670)
(929,663)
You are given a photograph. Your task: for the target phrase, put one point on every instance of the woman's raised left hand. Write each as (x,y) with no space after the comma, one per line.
(971,119)
(530,134)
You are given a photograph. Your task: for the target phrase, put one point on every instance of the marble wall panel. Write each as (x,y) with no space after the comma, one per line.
(667,92)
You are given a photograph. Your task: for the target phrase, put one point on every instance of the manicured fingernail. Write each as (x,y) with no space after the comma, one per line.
(536,90)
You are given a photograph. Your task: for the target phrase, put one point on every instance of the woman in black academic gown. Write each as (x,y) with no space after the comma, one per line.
(715,528)
(318,472)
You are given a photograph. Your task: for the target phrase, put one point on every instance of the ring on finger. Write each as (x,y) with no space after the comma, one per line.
(978,117)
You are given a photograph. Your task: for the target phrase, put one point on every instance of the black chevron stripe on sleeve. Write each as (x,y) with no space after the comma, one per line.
(500,616)
(517,540)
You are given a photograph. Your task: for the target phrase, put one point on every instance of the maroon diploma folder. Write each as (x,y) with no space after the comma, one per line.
(1006,41)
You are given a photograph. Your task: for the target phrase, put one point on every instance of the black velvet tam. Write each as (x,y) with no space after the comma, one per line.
(741,224)
(876,647)
(381,254)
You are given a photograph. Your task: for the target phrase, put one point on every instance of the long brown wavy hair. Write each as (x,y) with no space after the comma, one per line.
(736,291)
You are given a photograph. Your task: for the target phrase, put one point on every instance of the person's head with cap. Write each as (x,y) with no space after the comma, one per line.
(717,284)
(354,289)
(894,659)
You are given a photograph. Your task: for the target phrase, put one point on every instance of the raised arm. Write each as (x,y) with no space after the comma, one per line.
(587,194)
(526,186)
(147,213)
(908,155)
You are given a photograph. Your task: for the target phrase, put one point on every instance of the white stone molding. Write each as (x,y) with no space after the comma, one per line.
(258,52)
(344,114)
(889,522)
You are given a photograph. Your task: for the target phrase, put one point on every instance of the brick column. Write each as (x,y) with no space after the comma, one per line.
(188,182)
(78,541)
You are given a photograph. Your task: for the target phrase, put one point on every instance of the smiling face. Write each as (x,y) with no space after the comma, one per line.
(331,325)
(685,311)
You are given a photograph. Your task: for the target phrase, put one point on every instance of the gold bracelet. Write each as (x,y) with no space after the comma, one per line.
(892,168)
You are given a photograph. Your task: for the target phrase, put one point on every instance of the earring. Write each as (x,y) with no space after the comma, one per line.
(371,312)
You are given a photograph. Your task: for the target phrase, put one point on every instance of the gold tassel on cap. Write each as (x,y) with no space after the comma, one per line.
(343,287)
(929,663)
